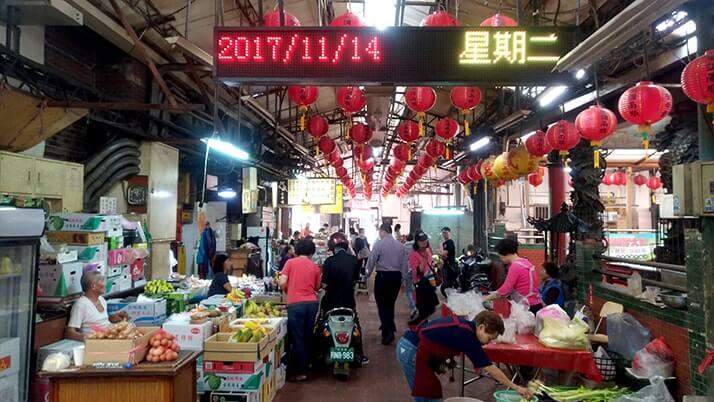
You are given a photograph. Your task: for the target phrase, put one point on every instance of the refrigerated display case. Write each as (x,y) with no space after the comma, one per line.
(20,232)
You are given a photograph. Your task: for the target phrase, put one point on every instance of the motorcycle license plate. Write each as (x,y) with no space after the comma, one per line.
(342,354)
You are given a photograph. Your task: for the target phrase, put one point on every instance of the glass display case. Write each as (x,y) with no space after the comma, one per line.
(19,250)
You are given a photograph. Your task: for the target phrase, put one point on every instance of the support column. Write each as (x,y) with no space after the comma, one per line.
(478,196)
(556,186)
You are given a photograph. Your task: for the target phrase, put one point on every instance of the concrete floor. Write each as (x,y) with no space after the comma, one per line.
(382,379)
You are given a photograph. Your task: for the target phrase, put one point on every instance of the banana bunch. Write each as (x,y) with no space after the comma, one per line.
(252,333)
(158,286)
(253,309)
(235,296)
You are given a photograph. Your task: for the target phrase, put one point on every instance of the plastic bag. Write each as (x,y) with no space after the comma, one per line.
(509,335)
(56,362)
(564,335)
(626,335)
(525,320)
(655,359)
(655,392)
(467,304)
(554,312)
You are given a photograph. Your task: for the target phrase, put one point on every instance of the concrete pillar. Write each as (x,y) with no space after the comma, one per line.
(556,186)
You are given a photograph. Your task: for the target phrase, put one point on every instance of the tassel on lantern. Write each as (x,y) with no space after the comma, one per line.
(420,117)
(645,130)
(303,112)
(349,126)
(596,153)
(447,152)
(317,150)
(467,129)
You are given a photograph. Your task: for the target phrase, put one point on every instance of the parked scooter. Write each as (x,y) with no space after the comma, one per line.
(340,335)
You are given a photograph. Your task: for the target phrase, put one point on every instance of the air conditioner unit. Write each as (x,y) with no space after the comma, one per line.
(41,12)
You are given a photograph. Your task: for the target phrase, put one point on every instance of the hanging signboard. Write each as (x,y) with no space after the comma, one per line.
(335,208)
(311,192)
(394,56)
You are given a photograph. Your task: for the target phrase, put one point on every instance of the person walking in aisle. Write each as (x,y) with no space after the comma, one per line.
(422,271)
(361,247)
(408,282)
(398,232)
(390,262)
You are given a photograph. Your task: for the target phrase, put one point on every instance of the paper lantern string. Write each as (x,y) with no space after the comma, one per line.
(420,118)
(303,111)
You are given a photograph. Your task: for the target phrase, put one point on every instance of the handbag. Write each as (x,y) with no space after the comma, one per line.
(433,276)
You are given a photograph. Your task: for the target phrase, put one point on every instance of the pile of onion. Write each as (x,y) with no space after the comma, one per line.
(164,348)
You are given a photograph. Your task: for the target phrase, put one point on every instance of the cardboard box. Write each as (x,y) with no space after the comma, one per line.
(235,381)
(210,366)
(109,224)
(10,388)
(190,336)
(118,350)
(137,269)
(151,313)
(61,279)
(218,348)
(9,357)
(116,270)
(76,238)
(99,266)
(121,256)
(90,253)
(65,346)
(115,242)
(254,396)
(199,375)
(278,325)
(280,377)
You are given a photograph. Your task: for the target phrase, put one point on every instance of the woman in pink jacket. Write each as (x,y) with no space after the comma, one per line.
(422,270)
(522,282)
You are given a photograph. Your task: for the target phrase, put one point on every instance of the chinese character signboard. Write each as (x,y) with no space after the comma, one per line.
(311,192)
(395,56)
(335,208)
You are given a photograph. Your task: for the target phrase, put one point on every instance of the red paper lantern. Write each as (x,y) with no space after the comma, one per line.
(303,96)
(535,179)
(439,19)
(317,126)
(348,19)
(537,144)
(499,20)
(402,152)
(360,133)
(426,160)
(341,171)
(351,99)
(698,80)
(272,19)
(408,131)
(595,124)
(465,99)
(645,104)
(326,145)
(333,157)
(339,162)
(398,164)
(619,179)
(420,170)
(654,183)
(410,181)
(639,180)
(435,148)
(607,179)
(362,152)
(446,128)
(366,165)
(563,136)
(474,172)
(420,100)
(463,177)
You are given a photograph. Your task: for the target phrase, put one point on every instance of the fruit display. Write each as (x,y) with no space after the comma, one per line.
(236,296)
(253,309)
(164,348)
(158,286)
(251,332)
(121,330)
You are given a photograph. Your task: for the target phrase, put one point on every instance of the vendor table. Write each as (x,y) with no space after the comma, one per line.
(147,382)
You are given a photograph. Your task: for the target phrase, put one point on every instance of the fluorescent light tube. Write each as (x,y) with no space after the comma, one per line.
(227,193)
(226,148)
(551,94)
(479,144)
(444,211)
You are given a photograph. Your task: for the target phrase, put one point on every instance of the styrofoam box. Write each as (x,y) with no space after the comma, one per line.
(140,313)
(49,278)
(10,388)
(110,224)
(99,266)
(189,336)
(90,253)
(9,357)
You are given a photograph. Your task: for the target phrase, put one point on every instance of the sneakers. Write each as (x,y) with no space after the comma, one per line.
(364,360)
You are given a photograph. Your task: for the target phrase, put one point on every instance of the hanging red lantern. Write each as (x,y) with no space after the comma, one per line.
(333,157)
(447,128)
(347,19)
(303,96)
(327,145)
(645,104)
(317,126)
(420,170)
(698,80)
(619,179)
(426,160)
(654,183)
(499,20)
(563,136)
(535,179)
(420,100)
(463,177)
(402,151)
(351,99)
(639,180)
(360,133)
(398,164)
(272,19)
(595,124)
(366,165)
(338,162)
(362,152)
(465,99)
(607,179)
(474,172)
(341,171)
(537,144)
(408,131)
(435,148)
(409,181)
(439,19)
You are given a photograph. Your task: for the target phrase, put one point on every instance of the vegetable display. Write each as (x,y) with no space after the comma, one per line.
(164,348)
(582,394)
(121,330)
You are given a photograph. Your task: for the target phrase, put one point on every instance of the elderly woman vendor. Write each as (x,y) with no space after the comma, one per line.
(90,309)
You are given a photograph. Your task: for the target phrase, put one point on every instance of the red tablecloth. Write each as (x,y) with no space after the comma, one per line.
(527,351)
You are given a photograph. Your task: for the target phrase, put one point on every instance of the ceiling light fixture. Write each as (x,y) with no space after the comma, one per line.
(226,148)
(479,144)
(379,13)
(580,74)
(551,94)
(227,193)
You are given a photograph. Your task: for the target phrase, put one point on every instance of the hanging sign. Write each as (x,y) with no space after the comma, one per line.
(311,192)
(335,208)
(395,56)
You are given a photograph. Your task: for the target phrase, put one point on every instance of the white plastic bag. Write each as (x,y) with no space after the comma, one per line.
(655,359)
(467,304)
(553,312)
(655,392)
(564,334)
(509,335)
(56,362)
(525,320)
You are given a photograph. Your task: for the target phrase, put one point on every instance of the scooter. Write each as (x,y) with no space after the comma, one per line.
(340,335)
(471,274)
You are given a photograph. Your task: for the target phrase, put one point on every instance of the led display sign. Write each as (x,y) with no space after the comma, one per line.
(396,56)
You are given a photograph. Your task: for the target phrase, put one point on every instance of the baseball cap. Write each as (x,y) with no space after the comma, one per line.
(421,236)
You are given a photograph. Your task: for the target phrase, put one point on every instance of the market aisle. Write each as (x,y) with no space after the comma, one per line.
(381,380)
